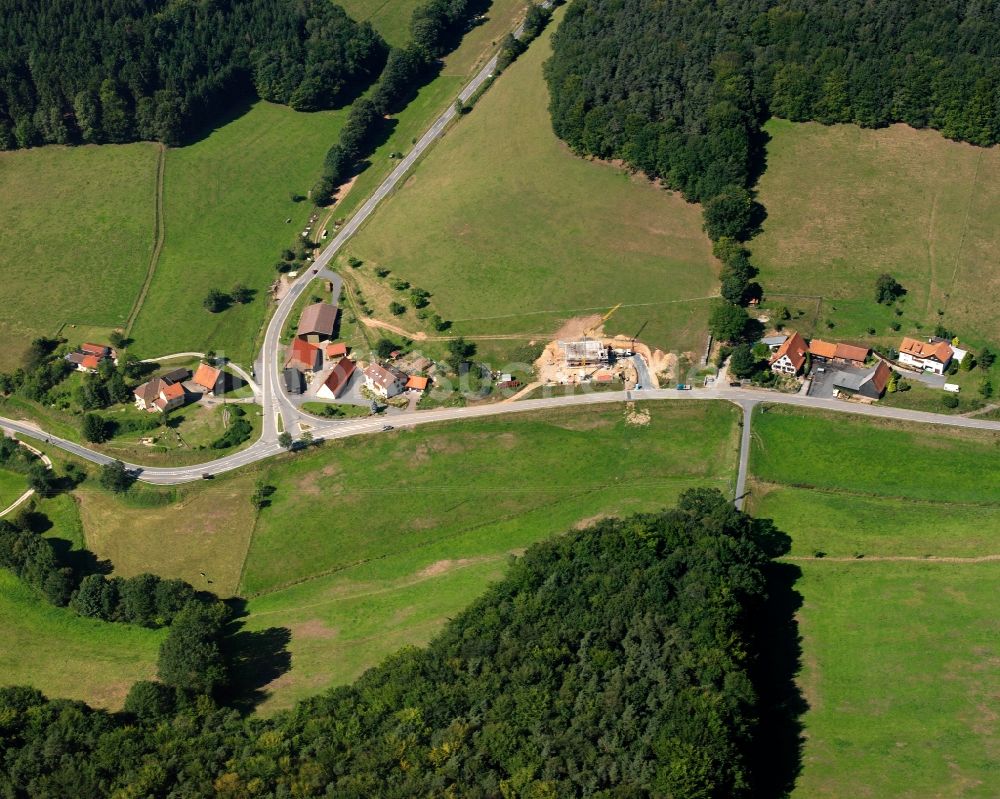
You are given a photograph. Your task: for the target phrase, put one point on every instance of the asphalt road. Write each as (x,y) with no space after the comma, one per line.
(267,446)
(275,403)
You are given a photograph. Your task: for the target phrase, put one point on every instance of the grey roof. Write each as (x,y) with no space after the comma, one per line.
(319,318)
(295,381)
(176,375)
(775,340)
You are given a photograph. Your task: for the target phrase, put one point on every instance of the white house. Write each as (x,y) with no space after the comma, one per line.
(790,356)
(385,381)
(932,355)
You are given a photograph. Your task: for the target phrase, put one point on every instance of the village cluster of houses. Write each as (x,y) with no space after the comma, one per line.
(168,391)
(312,353)
(87,357)
(853,371)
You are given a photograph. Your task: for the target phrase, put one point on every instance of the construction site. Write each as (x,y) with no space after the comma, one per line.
(583,355)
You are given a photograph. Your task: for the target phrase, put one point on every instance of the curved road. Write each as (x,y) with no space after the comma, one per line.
(275,402)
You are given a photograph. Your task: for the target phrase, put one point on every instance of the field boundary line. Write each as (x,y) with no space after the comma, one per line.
(851,492)
(892,558)
(965,231)
(159,235)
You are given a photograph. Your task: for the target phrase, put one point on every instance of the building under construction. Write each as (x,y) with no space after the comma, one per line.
(585,352)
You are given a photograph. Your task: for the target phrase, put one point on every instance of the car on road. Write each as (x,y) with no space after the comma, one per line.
(387,427)
(683,387)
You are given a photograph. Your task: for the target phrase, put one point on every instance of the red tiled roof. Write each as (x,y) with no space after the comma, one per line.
(207,376)
(940,351)
(302,355)
(881,377)
(90,361)
(822,349)
(417,382)
(795,348)
(94,349)
(336,350)
(850,352)
(336,381)
(171,390)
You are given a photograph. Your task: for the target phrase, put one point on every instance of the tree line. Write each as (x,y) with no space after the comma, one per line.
(680,89)
(122,70)
(612,661)
(435,28)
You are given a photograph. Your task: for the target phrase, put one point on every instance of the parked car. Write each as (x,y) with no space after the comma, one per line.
(683,387)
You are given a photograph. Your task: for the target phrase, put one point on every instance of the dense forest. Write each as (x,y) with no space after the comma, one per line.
(616,661)
(678,88)
(120,70)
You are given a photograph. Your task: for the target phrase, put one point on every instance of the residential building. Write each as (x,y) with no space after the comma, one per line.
(336,381)
(317,321)
(159,395)
(791,356)
(100,350)
(209,378)
(385,381)
(89,356)
(585,352)
(932,355)
(303,356)
(867,384)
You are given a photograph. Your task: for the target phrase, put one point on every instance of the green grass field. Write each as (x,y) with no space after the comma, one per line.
(75,241)
(897,650)
(845,453)
(846,204)
(901,680)
(379,540)
(65,655)
(12,485)
(173,532)
(391,18)
(513,234)
(226,199)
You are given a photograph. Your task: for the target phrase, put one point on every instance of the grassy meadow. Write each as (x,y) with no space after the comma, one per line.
(846,204)
(372,543)
(226,199)
(65,655)
(512,233)
(897,648)
(179,532)
(76,239)
(12,485)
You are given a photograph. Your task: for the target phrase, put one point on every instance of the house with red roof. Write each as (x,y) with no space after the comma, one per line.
(89,356)
(303,356)
(335,383)
(208,378)
(791,356)
(932,355)
(159,395)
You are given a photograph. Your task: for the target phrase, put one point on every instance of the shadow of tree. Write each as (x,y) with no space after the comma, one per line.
(256,658)
(777,752)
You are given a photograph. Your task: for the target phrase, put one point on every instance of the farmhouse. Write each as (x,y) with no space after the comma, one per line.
(89,356)
(385,381)
(208,378)
(317,322)
(932,355)
(791,356)
(159,395)
(822,350)
(335,383)
(866,384)
(585,352)
(851,354)
(303,356)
